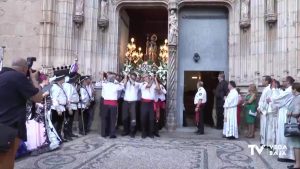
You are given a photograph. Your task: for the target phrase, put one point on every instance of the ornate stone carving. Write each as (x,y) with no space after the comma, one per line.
(270,15)
(173,27)
(103,20)
(172,67)
(245,14)
(79,12)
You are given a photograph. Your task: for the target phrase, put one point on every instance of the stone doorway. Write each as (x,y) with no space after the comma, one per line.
(141,23)
(203,46)
(210,81)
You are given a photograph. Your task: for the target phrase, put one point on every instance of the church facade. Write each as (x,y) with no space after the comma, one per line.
(245,39)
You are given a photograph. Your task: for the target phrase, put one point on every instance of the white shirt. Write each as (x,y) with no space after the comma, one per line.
(59,98)
(131,91)
(148,93)
(160,94)
(200,95)
(110,90)
(90,89)
(72,95)
(85,98)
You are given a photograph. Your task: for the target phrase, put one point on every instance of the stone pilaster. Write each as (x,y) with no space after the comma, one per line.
(172,66)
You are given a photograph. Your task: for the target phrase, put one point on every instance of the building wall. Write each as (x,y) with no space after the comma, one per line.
(19,28)
(44,28)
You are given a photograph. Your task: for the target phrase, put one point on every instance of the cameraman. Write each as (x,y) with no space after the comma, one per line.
(15,90)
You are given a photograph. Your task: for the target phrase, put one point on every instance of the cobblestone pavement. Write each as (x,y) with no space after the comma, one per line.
(178,150)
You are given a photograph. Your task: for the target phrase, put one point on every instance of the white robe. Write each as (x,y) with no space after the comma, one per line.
(263,107)
(282,102)
(272,119)
(230,113)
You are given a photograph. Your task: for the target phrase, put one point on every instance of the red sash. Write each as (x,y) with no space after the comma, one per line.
(147,100)
(197,114)
(110,102)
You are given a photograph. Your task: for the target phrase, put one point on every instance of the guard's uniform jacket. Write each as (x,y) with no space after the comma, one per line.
(199,115)
(58,107)
(84,104)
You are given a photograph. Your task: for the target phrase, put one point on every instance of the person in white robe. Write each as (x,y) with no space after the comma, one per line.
(282,102)
(263,108)
(272,115)
(230,129)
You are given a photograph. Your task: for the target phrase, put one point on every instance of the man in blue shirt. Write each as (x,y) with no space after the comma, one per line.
(15,90)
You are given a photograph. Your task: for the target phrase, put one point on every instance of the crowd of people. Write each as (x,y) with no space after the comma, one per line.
(54,103)
(68,96)
(278,105)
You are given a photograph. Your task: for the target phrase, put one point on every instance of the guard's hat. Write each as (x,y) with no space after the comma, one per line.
(83,78)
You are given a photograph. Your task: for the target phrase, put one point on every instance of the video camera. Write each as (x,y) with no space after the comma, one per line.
(30,61)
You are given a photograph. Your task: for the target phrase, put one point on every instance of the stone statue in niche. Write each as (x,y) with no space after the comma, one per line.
(271,17)
(152,48)
(245,14)
(270,6)
(79,10)
(173,27)
(104,10)
(245,9)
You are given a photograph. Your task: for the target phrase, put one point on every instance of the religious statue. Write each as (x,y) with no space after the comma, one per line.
(152,48)
(270,7)
(173,27)
(245,9)
(104,10)
(270,15)
(79,8)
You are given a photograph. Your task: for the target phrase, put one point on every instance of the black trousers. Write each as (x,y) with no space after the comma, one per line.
(138,116)
(68,126)
(147,118)
(91,111)
(129,116)
(83,117)
(200,125)
(108,120)
(57,121)
(220,117)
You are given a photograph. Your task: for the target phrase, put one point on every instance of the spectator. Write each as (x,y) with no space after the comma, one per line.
(16,89)
(250,110)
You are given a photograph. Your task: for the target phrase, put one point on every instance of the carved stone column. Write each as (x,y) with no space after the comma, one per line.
(270,15)
(245,14)
(172,67)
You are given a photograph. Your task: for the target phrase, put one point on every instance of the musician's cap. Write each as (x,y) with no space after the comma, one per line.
(59,75)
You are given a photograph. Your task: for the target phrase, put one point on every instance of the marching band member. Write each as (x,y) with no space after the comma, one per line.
(159,107)
(129,104)
(59,103)
(85,101)
(147,107)
(110,105)
(73,100)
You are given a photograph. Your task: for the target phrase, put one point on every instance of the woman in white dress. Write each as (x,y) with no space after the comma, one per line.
(230,129)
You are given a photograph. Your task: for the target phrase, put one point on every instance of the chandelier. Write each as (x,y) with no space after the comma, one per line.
(132,55)
(163,53)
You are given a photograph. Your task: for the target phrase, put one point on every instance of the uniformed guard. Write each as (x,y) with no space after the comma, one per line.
(84,104)
(199,101)
(72,106)
(59,102)
(110,104)
(148,88)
